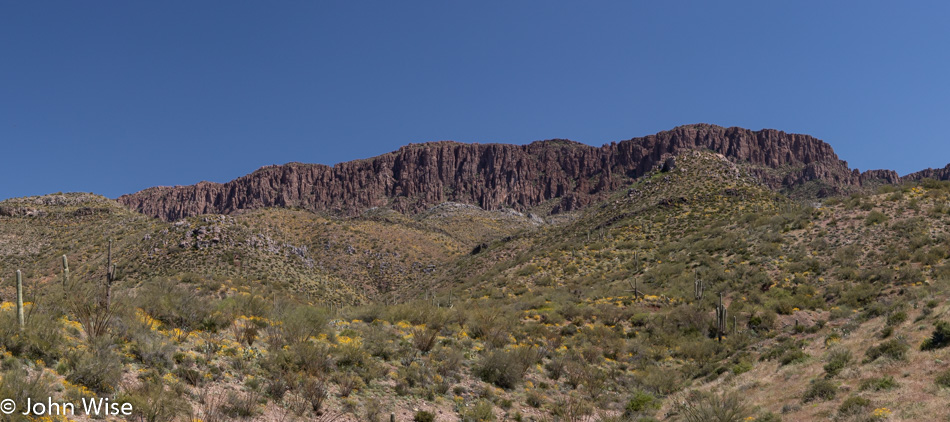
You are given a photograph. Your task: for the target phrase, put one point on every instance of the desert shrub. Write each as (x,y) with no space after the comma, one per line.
(348,382)
(641,401)
(853,406)
(424,338)
(418,313)
(415,375)
(793,356)
(820,389)
(314,391)
(250,305)
(875,217)
(97,366)
(174,304)
(896,318)
(892,349)
(243,404)
(311,358)
(571,408)
(41,340)
(299,323)
(943,379)
(762,322)
(381,341)
(768,417)
(787,351)
(878,384)
(528,270)
(506,367)
(190,375)
(662,380)
(859,295)
(939,339)
(19,385)
(151,402)
(555,367)
(152,349)
(447,361)
(534,398)
(837,360)
(714,408)
(491,326)
(373,410)
(741,366)
(349,353)
(423,416)
(482,411)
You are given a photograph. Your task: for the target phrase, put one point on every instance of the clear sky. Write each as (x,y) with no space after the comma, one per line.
(116,96)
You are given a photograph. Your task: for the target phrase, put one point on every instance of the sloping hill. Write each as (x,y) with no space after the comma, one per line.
(608,314)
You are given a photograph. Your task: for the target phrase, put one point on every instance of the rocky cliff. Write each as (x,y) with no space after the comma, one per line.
(492,176)
(936,174)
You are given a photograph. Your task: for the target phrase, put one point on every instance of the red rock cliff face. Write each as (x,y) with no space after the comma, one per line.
(497,175)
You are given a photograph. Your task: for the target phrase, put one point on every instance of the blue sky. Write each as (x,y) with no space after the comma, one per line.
(114,97)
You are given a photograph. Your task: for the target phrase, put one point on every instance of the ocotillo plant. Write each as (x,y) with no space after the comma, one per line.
(19,299)
(720,319)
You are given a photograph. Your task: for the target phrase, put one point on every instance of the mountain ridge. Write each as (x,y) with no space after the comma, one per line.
(565,174)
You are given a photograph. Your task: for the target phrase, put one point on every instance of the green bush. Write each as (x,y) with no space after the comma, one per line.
(820,389)
(423,416)
(768,417)
(837,360)
(875,217)
(878,384)
(506,367)
(19,385)
(96,366)
(943,379)
(940,337)
(640,402)
(892,349)
(714,408)
(853,406)
(174,304)
(482,411)
(299,323)
(151,402)
(42,339)
(793,356)
(787,351)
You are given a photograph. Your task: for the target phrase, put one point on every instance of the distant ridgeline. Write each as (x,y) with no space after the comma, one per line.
(555,175)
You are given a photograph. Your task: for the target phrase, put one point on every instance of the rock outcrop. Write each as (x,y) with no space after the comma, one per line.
(494,176)
(936,174)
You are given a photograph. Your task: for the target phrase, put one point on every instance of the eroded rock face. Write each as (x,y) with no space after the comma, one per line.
(936,174)
(493,176)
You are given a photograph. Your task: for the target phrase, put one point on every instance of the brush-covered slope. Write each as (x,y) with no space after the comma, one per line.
(834,311)
(325,259)
(495,176)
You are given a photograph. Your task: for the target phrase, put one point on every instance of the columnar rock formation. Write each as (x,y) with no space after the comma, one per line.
(492,176)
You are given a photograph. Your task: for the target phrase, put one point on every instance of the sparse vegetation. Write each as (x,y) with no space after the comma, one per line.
(593,318)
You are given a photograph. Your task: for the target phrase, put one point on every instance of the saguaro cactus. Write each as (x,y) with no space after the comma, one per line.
(720,319)
(698,289)
(65,274)
(110,276)
(634,288)
(19,300)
